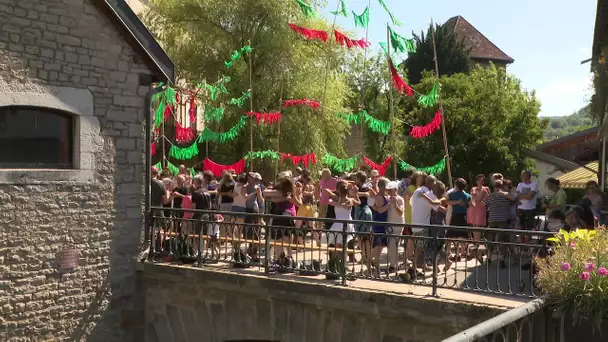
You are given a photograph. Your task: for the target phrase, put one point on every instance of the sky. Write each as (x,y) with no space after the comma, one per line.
(547,38)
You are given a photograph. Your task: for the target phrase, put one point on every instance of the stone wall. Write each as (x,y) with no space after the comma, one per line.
(46,48)
(187,304)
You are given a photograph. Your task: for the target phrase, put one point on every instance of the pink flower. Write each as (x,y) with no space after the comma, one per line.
(584,276)
(565,266)
(572,244)
(589,267)
(602,271)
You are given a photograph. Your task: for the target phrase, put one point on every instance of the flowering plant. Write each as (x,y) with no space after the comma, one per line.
(575,277)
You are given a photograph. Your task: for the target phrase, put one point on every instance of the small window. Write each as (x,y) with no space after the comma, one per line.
(36,138)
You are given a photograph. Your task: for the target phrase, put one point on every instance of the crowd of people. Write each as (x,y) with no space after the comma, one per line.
(416,205)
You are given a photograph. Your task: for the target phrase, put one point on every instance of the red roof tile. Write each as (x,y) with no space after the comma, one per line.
(481,47)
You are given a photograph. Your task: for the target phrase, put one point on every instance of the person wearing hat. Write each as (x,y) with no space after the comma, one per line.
(395,215)
(374,176)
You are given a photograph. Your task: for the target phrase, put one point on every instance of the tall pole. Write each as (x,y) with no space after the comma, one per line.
(251,106)
(390,105)
(279,123)
(445,136)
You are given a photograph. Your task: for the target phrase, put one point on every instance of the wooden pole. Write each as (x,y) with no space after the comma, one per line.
(251,106)
(362,84)
(279,123)
(390,105)
(445,137)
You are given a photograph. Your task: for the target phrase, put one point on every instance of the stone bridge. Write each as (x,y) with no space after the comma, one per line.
(184,303)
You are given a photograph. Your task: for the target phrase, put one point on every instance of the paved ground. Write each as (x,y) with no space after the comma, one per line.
(459,282)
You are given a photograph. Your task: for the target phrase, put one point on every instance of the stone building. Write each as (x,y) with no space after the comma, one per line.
(75,83)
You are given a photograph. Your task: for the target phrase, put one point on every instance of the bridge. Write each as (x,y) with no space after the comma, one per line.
(274,282)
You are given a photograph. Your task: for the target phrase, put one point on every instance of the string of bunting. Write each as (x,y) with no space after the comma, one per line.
(420,132)
(306,8)
(381,168)
(167,100)
(266,118)
(310,34)
(362,20)
(241,100)
(431,170)
(304,102)
(400,43)
(218,169)
(184,134)
(184,153)
(245,50)
(229,135)
(213,113)
(390,14)
(342,9)
(341,165)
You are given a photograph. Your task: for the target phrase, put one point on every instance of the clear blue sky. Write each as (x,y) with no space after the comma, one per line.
(548,39)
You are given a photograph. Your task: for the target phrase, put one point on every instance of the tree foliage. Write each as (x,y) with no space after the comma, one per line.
(200,35)
(453,55)
(490,122)
(560,126)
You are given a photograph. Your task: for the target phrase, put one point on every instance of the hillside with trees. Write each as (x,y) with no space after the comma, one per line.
(560,126)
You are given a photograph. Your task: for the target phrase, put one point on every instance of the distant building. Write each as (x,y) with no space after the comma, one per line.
(483,51)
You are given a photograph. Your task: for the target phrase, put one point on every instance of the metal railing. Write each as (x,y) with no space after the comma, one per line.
(438,256)
(530,322)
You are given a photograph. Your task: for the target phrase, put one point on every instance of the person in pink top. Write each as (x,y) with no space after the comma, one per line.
(329,183)
(476,215)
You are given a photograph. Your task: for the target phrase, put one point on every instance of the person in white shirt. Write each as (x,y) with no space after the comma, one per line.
(527,193)
(422,204)
(395,214)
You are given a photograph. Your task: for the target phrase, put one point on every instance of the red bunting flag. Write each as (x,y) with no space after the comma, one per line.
(295,160)
(381,168)
(183,134)
(305,102)
(218,169)
(309,33)
(400,85)
(419,132)
(343,40)
(266,118)
(152,148)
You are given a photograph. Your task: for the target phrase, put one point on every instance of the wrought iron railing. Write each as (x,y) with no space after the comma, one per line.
(501,262)
(530,322)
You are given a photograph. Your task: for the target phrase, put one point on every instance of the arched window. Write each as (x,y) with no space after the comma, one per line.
(36,138)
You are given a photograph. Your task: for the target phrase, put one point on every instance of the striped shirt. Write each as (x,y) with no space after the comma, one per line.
(499,207)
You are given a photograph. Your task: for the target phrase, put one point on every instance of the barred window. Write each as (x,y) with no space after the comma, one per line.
(36,138)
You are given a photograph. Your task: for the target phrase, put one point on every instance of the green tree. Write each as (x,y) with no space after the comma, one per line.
(368,79)
(200,35)
(452,54)
(490,122)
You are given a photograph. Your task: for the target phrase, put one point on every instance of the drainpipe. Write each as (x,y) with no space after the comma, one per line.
(146,80)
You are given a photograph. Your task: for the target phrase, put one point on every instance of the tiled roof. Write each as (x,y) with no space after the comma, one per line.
(481,47)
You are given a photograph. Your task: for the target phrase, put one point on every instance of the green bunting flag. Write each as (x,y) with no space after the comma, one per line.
(363,19)
(158,166)
(245,50)
(268,154)
(351,118)
(192,172)
(229,135)
(184,153)
(306,8)
(340,165)
(377,126)
(393,19)
(342,9)
(164,98)
(218,87)
(214,114)
(173,170)
(430,99)
(400,43)
(241,100)
(430,170)
(384,47)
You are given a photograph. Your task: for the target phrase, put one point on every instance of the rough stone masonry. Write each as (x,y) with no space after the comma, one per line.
(49,49)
